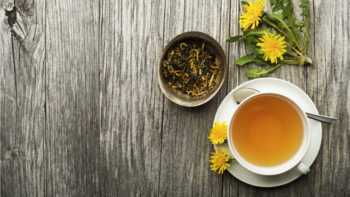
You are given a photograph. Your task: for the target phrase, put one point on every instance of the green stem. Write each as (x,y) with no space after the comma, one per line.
(274,26)
(291,53)
(299,60)
(297,51)
(254,33)
(290,62)
(308,60)
(274,68)
(289,33)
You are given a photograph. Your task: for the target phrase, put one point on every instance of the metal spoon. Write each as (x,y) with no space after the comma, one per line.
(242,93)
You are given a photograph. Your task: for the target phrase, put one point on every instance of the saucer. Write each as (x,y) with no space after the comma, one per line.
(274,85)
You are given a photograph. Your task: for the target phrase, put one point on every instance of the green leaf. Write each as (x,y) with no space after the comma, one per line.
(282,8)
(252,39)
(246,35)
(244,2)
(256,72)
(289,30)
(245,60)
(305,8)
(259,32)
(260,62)
(305,13)
(234,38)
(283,12)
(250,43)
(275,26)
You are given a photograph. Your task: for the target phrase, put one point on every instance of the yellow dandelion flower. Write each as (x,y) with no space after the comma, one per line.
(252,12)
(218,133)
(273,46)
(219,161)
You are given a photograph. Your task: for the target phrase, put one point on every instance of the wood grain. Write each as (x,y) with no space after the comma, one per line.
(72,98)
(131,104)
(8,100)
(329,88)
(185,130)
(22,95)
(81,113)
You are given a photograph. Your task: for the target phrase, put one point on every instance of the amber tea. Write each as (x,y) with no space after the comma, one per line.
(267,130)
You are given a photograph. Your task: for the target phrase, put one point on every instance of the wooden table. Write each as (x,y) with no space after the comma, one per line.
(82,114)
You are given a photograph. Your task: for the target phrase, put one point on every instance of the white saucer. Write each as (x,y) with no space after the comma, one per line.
(228,106)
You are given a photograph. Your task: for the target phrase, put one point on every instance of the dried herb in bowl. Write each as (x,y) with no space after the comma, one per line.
(190,68)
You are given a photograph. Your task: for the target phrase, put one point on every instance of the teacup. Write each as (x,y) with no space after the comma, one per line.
(238,147)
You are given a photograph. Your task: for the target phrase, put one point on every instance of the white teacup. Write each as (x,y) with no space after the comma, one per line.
(294,161)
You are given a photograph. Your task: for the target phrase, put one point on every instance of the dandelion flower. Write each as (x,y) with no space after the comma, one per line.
(272,46)
(219,161)
(252,12)
(218,133)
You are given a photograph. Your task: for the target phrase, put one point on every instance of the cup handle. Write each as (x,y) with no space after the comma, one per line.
(304,169)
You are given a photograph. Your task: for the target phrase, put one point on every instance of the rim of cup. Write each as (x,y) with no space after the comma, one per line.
(280,168)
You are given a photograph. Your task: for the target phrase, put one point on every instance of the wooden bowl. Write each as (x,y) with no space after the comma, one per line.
(179,97)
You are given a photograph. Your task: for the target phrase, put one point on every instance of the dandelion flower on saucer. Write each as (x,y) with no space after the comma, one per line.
(219,161)
(272,46)
(218,133)
(252,12)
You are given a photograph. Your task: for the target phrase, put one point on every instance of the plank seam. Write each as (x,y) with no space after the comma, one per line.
(14,70)
(162,119)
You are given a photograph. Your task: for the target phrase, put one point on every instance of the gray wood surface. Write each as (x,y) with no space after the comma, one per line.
(81,113)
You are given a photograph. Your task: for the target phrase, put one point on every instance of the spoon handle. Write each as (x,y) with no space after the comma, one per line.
(321,118)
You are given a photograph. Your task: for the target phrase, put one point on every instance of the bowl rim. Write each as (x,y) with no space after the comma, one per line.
(198,35)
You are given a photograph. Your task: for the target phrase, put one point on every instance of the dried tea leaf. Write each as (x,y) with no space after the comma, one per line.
(190,68)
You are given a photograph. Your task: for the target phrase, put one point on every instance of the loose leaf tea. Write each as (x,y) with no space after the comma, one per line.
(190,67)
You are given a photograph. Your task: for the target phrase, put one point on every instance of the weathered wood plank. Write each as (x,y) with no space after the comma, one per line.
(330,27)
(329,86)
(185,146)
(131,104)
(230,184)
(106,129)
(72,86)
(8,110)
(22,101)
